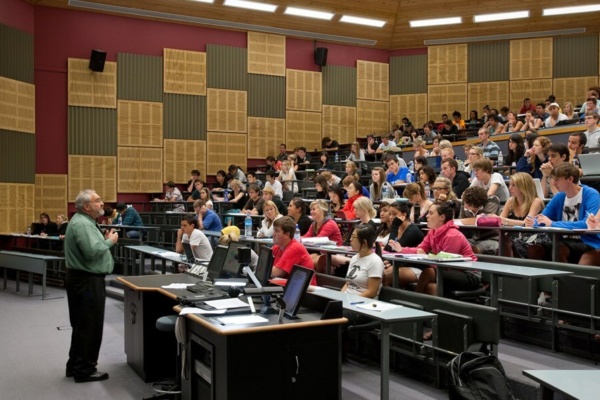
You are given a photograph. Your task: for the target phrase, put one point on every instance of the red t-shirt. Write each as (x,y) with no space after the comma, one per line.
(293,254)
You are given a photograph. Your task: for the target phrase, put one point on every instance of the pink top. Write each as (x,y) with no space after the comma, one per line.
(328,229)
(445,238)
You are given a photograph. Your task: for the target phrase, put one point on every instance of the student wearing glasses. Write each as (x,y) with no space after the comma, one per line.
(593,131)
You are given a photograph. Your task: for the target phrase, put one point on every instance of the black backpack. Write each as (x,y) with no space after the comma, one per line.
(477,376)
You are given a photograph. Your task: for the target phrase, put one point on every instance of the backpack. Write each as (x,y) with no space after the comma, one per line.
(477,376)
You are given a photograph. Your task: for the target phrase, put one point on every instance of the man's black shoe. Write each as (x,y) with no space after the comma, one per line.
(96,376)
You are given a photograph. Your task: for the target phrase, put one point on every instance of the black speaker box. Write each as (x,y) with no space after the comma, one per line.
(97,60)
(321,56)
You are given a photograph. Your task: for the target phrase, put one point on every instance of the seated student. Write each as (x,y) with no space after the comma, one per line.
(329,144)
(356,153)
(495,126)
(324,161)
(252,180)
(130,217)
(206,197)
(189,233)
(237,194)
(568,209)
(321,186)
(271,214)
(372,145)
(45,227)
(458,121)
(557,153)
(198,185)
(332,179)
(459,179)
(415,193)
(386,219)
(475,202)
(323,226)
(512,123)
(269,195)
(534,157)
(255,202)
(297,211)
(172,194)
(351,170)
(592,133)
(287,176)
(221,183)
(395,174)
(336,197)
(386,144)
(195,174)
(428,134)
(208,220)
(555,116)
(61,222)
(354,178)
(448,128)
(237,173)
(444,236)
(302,157)
(532,123)
(354,191)
(232,234)
(283,155)
(419,147)
(491,181)
(110,215)
(287,252)
(380,189)
(272,182)
(273,163)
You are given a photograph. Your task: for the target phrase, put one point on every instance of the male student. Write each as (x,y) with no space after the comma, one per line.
(460,181)
(288,252)
(272,182)
(189,233)
(208,220)
(130,217)
(568,209)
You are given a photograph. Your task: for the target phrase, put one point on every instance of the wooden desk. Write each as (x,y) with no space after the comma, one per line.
(575,384)
(31,263)
(267,360)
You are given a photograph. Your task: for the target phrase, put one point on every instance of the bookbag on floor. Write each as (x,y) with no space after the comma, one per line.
(477,376)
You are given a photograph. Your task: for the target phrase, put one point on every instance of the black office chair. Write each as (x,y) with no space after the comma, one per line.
(171,388)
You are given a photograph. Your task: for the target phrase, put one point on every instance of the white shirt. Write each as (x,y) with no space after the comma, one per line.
(200,244)
(276,185)
(501,192)
(550,122)
(593,137)
(360,270)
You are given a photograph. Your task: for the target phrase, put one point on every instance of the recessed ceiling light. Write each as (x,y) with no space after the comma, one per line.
(362,21)
(435,22)
(570,10)
(303,12)
(501,16)
(251,5)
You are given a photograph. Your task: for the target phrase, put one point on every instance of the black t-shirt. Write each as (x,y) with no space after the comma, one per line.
(304,224)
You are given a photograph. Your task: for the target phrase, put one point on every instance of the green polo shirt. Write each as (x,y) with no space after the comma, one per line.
(85,247)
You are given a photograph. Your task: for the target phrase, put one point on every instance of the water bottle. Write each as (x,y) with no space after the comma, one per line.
(411,167)
(119,220)
(500,159)
(427,191)
(225,195)
(248,226)
(409,177)
(337,158)
(297,235)
(28,230)
(384,194)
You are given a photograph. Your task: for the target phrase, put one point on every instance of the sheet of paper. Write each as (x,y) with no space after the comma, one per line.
(196,310)
(377,306)
(167,253)
(242,319)
(224,304)
(177,286)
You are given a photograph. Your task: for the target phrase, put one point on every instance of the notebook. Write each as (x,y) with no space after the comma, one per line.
(590,163)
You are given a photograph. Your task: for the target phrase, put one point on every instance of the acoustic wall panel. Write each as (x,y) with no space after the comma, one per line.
(339,123)
(17,105)
(536,89)
(227,67)
(92,89)
(140,123)
(266,96)
(408,74)
(447,64)
(266,54)
(372,117)
(264,136)
(303,129)
(531,59)
(412,106)
(184,72)
(51,194)
(372,80)
(17,157)
(17,211)
(16,54)
(489,61)
(227,111)
(93,172)
(304,90)
(573,89)
(92,131)
(446,99)
(339,85)
(182,156)
(494,94)
(140,170)
(140,77)
(184,117)
(224,149)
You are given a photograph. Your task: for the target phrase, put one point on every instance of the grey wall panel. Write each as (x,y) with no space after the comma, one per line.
(17,157)
(92,131)
(408,74)
(339,86)
(184,117)
(266,96)
(488,62)
(16,54)
(139,77)
(226,67)
(575,56)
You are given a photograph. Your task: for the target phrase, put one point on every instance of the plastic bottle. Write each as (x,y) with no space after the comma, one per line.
(28,230)
(427,190)
(226,195)
(337,158)
(297,234)
(248,226)
(500,159)
(384,192)
(409,177)
(119,220)
(411,167)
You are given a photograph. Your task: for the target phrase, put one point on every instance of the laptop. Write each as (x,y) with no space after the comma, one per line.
(264,265)
(590,163)
(538,189)
(215,265)
(190,256)
(295,289)
(231,272)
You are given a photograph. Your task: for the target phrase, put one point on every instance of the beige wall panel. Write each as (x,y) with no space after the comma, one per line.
(17,105)
(537,90)
(51,194)
(181,157)
(304,90)
(264,136)
(339,123)
(412,106)
(98,173)
(266,54)
(447,64)
(303,129)
(493,93)
(17,211)
(572,89)
(140,170)
(372,80)
(372,117)
(92,89)
(531,59)
(227,110)
(184,72)
(446,99)
(140,123)
(224,149)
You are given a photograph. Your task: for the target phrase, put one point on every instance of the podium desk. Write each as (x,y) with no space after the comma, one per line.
(296,359)
(572,384)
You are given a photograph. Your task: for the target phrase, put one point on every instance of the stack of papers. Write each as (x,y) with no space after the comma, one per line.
(317,241)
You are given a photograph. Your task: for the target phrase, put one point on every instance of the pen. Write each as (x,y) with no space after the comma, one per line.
(356,302)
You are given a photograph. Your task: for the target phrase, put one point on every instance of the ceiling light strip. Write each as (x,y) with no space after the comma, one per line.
(250,5)
(220,24)
(546,12)
(501,16)
(362,21)
(508,36)
(421,23)
(303,12)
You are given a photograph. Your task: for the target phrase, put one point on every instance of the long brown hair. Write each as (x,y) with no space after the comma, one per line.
(377,186)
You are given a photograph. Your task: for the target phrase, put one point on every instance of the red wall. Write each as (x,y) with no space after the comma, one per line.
(17,14)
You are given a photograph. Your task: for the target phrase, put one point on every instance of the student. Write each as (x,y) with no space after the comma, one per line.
(287,252)
(460,180)
(255,202)
(172,194)
(208,220)
(252,180)
(189,233)
(475,202)
(130,217)
(395,174)
(490,149)
(491,181)
(237,173)
(195,174)
(297,211)
(272,182)
(568,209)
(198,185)
(557,153)
(271,214)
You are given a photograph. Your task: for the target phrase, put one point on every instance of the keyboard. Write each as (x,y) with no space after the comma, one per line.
(206,291)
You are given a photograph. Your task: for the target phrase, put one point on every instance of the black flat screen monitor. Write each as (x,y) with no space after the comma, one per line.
(190,257)
(231,266)
(215,266)
(264,265)
(295,289)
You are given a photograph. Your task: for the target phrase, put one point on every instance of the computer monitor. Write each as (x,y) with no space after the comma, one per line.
(231,266)
(295,289)
(190,257)
(215,266)
(264,265)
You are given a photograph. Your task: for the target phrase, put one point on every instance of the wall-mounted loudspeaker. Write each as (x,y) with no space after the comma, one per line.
(321,56)
(97,60)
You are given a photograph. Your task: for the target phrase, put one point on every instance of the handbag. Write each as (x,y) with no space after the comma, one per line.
(485,220)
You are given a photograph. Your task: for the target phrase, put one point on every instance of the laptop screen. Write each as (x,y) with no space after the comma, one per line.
(189,253)
(264,266)
(295,289)
(215,266)
(231,267)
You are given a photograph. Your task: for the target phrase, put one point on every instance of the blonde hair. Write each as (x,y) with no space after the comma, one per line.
(418,142)
(230,237)
(270,204)
(445,144)
(524,182)
(352,165)
(447,185)
(356,146)
(268,190)
(365,204)
(64,217)
(478,150)
(321,205)
(236,182)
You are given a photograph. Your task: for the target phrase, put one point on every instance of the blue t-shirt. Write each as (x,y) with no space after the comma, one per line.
(400,176)
(211,221)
